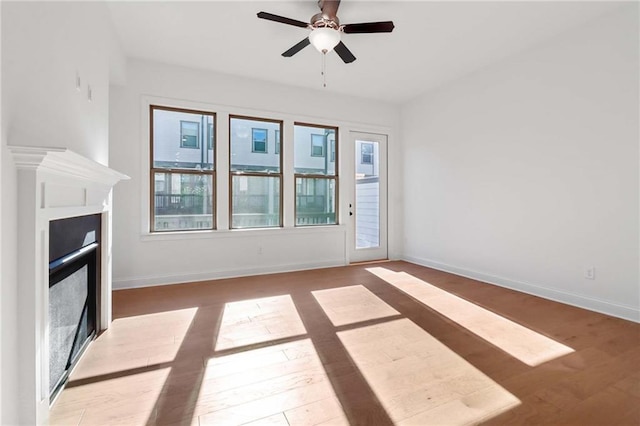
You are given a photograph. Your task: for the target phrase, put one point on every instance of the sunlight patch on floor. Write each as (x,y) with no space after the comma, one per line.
(269,385)
(418,380)
(352,304)
(135,342)
(126,400)
(524,344)
(248,322)
(159,326)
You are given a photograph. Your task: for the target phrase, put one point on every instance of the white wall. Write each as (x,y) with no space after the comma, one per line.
(526,173)
(142,259)
(44,46)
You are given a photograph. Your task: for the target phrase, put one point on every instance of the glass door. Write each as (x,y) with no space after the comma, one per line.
(368,204)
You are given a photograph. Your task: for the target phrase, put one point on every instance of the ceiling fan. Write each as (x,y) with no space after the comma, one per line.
(326,30)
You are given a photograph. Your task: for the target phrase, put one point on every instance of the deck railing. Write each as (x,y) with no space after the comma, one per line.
(182,204)
(193,211)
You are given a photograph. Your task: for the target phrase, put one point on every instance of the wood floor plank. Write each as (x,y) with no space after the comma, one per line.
(274,350)
(608,406)
(630,385)
(65,417)
(319,412)
(264,407)
(275,420)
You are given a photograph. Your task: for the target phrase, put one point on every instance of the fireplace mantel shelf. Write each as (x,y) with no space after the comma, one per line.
(62,161)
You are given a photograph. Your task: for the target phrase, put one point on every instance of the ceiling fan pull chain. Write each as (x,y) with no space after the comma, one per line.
(324,70)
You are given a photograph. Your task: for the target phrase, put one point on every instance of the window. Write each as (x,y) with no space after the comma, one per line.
(259,137)
(277,150)
(318,143)
(316,176)
(255,180)
(182,170)
(189,134)
(366,153)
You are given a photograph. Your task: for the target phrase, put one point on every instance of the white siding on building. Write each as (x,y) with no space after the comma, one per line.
(302,150)
(367,213)
(241,144)
(166,146)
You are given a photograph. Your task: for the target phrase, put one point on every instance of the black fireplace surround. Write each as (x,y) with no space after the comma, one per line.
(74,292)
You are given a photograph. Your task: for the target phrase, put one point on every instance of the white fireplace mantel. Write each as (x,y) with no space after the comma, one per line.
(53,183)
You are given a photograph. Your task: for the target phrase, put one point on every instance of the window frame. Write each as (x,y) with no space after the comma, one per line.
(253,140)
(182,135)
(322,148)
(233,173)
(201,172)
(333,177)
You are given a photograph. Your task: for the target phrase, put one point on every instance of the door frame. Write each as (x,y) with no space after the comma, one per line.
(355,255)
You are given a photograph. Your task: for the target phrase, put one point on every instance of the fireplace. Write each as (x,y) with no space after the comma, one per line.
(64,256)
(74,284)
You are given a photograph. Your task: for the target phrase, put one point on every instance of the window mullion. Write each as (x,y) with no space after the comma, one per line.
(222,167)
(288,196)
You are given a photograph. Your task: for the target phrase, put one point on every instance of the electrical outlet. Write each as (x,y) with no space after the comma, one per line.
(590,273)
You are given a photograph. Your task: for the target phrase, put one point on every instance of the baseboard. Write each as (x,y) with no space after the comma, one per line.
(602,306)
(156,280)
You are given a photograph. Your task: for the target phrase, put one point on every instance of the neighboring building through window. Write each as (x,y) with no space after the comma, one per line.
(210,136)
(332,142)
(182,170)
(366,153)
(316,179)
(277,149)
(260,140)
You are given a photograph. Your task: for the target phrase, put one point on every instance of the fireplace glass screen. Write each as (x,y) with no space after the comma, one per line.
(71,321)
(73,287)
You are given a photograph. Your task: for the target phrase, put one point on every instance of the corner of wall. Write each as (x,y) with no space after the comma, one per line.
(8,288)
(117,58)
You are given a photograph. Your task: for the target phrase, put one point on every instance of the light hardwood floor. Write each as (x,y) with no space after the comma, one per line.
(375,344)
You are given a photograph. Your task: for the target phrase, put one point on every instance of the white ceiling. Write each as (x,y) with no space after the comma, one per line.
(433,42)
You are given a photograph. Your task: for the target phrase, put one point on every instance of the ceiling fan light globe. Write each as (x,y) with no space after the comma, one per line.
(324,39)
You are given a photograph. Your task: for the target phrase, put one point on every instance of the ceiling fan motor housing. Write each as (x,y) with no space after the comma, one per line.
(329,8)
(319,20)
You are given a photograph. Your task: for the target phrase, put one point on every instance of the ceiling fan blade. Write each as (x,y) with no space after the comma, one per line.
(344,53)
(282,19)
(369,27)
(329,8)
(298,47)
